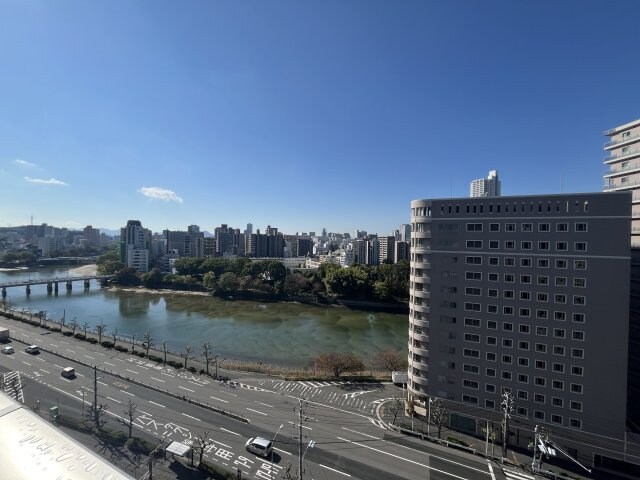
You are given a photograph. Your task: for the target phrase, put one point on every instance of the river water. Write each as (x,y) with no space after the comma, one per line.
(289,334)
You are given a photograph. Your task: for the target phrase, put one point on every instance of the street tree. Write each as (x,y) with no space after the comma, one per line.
(439,415)
(338,363)
(390,361)
(202,441)
(164,349)
(187,355)
(148,341)
(101,328)
(73,325)
(114,335)
(395,407)
(207,355)
(85,326)
(130,415)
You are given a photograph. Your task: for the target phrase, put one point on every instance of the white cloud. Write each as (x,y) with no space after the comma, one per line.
(24,163)
(51,181)
(160,194)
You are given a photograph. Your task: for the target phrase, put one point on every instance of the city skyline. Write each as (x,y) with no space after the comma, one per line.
(300,116)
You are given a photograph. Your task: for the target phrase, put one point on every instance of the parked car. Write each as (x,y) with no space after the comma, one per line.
(259,446)
(32,349)
(8,350)
(68,372)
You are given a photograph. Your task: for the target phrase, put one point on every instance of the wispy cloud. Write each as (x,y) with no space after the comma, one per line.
(24,163)
(42,181)
(160,194)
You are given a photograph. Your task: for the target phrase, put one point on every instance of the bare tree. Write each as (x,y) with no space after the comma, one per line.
(164,349)
(130,413)
(148,341)
(202,441)
(207,355)
(187,355)
(73,325)
(396,406)
(339,363)
(63,322)
(85,325)
(96,413)
(390,360)
(101,328)
(114,335)
(439,414)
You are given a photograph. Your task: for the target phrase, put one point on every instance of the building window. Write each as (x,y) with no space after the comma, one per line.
(522,378)
(526,227)
(558,350)
(558,367)
(494,244)
(490,372)
(538,415)
(577,335)
(577,406)
(492,292)
(470,399)
(580,264)
(494,227)
(471,322)
(521,411)
(541,348)
(492,308)
(492,340)
(539,398)
(474,243)
(561,263)
(576,370)
(559,332)
(560,298)
(506,375)
(492,325)
(493,277)
(473,275)
(524,312)
(473,291)
(510,227)
(523,362)
(543,263)
(526,279)
(508,293)
(489,404)
(576,388)
(541,364)
(556,419)
(543,246)
(542,297)
(488,387)
(507,343)
(561,281)
(557,402)
(472,307)
(525,262)
(509,262)
(523,345)
(562,246)
(542,314)
(526,245)
(543,280)
(474,227)
(541,331)
(470,384)
(557,385)
(575,423)
(577,353)
(579,300)
(524,328)
(580,246)
(507,310)
(562,227)
(471,337)
(510,244)
(473,260)
(581,227)
(544,227)
(540,381)
(467,352)
(559,316)
(492,357)
(494,261)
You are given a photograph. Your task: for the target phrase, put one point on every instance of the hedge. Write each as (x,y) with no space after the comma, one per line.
(79,336)
(120,348)
(107,344)
(216,472)
(92,340)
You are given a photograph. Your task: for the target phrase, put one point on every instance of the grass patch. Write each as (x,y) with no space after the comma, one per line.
(216,472)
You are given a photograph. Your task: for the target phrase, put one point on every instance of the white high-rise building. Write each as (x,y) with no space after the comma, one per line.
(486,187)
(135,242)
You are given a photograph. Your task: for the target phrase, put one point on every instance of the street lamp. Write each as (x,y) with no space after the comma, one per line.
(216,360)
(272,443)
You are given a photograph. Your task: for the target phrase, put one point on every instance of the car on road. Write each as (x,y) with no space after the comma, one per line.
(259,446)
(68,372)
(32,349)
(8,350)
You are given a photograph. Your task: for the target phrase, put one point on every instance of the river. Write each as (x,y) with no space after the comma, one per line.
(289,334)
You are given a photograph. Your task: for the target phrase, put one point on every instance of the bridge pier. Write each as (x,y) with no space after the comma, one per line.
(4,292)
(28,290)
(69,286)
(49,288)
(86,284)
(104,282)
(55,288)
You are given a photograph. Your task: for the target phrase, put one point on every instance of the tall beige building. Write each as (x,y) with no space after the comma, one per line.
(623,159)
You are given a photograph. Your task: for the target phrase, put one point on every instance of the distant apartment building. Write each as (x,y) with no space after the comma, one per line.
(401,251)
(92,235)
(529,295)
(486,187)
(184,243)
(387,248)
(265,245)
(623,161)
(135,242)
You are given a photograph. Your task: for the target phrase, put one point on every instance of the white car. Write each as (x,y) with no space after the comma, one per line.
(32,349)
(8,350)
(260,446)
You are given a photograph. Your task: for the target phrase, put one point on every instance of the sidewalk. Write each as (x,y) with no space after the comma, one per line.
(478,446)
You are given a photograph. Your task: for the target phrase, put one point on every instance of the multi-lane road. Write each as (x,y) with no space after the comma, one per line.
(341,434)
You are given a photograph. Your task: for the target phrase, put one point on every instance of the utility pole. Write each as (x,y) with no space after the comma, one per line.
(507,408)
(95,392)
(300,439)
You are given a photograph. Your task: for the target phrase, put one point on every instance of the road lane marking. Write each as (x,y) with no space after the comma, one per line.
(412,461)
(107,363)
(132,371)
(156,404)
(80,374)
(256,411)
(114,400)
(66,380)
(185,388)
(156,379)
(146,413)
(92,358)
(265,404)
(334,470)
(360,433)
(493,477)
(167,374)
(45,371)
(195,383)
(229,431)
(220,400)
(57,365)
(191,417)
(54,345)
(282,451)
(232,394)
(41,359)
(26,363)
(303,426)
(128,393)
(70,351)
(102,383)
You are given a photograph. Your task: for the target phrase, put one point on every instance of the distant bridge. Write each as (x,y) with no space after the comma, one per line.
(52,283)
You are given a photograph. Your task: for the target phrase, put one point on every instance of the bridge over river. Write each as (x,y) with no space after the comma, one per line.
(52,283)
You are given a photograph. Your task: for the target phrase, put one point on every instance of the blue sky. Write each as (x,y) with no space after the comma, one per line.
(301,114)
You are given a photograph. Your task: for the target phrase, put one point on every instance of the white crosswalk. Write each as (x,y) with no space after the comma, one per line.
(517,475)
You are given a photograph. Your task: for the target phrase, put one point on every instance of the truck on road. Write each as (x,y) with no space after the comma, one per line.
(4,335)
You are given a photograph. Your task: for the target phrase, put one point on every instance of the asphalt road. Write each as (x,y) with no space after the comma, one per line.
(342,437)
